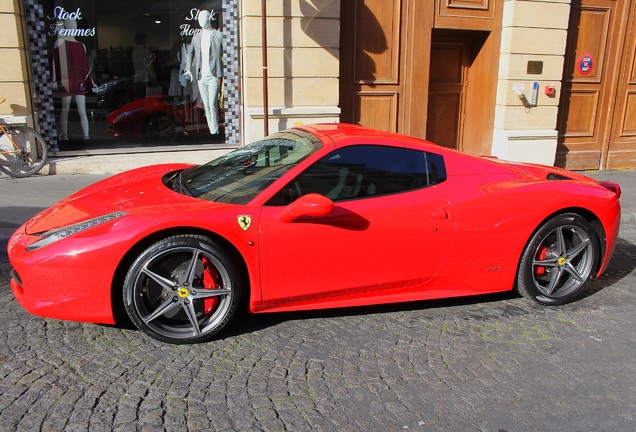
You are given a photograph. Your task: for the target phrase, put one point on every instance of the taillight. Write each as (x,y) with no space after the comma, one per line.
(614,187)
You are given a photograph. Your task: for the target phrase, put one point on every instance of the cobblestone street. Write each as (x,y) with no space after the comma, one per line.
(497,363)
(490,364)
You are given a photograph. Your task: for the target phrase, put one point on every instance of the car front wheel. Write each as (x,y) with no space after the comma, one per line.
(559,260)
(161,128)
(182,289)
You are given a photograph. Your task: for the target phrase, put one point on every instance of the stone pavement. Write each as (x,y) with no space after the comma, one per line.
(627,180)
(493,363)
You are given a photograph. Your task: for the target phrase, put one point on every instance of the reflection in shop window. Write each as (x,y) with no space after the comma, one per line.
(143,73)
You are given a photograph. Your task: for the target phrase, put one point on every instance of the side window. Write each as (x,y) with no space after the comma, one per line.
(365,171)
(436,168)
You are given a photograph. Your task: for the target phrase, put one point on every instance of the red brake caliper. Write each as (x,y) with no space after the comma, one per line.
(540,270)
(210,281)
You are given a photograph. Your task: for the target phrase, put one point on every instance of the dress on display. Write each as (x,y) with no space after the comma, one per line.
(70,67)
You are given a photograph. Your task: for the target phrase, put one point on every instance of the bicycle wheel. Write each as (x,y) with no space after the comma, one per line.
(23,151)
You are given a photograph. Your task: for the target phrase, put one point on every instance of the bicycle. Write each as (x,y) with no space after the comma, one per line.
(23,151)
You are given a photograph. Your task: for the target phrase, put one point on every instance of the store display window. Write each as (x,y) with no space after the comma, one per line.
(137,73)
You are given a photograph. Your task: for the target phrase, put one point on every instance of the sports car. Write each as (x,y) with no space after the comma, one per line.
(319,216)
(160,118)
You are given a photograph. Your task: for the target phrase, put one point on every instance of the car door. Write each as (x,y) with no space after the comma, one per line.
(389,229)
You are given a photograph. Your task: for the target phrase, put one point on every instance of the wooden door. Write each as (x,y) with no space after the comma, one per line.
(622,147)
(384,64)
(447,90)
(589,81)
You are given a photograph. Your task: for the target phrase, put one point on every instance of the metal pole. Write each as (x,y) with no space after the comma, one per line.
(264,52)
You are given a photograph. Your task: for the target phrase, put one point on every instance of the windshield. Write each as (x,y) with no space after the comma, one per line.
(241,175)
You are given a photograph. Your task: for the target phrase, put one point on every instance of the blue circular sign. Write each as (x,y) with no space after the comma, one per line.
(585,64)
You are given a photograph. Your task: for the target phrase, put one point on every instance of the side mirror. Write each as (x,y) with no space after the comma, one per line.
(312,204)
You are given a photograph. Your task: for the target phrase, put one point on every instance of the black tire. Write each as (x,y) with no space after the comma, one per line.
(559,260)
(165,293)
(30,155)
(162,128)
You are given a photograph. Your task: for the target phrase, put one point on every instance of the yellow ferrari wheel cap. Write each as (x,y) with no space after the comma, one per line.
(183,292)
(561,261)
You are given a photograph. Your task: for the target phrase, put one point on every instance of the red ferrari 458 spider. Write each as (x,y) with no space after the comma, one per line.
(158,117)
(313,217)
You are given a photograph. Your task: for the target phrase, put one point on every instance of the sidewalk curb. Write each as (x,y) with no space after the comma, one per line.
(111,164)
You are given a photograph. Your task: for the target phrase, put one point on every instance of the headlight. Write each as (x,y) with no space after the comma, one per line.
(52,236)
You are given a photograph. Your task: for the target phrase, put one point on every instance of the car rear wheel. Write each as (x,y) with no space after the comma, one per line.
(559,260)
(182,289)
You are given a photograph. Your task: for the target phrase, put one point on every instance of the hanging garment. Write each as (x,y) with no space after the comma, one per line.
(70,68)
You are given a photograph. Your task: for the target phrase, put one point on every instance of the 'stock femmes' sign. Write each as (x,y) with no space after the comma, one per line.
(60,14)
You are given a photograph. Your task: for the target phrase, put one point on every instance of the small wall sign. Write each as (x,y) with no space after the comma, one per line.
(534,68)
(585,64)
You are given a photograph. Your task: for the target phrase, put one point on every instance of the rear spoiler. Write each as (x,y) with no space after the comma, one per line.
(614,187)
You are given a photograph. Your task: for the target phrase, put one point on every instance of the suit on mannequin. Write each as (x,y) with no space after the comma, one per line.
(203,65)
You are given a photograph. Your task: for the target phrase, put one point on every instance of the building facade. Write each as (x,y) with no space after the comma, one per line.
(546,81)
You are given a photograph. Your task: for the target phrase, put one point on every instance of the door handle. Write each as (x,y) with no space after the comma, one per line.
(439,214)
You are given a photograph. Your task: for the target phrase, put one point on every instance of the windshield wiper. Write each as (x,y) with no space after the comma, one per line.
(177,185)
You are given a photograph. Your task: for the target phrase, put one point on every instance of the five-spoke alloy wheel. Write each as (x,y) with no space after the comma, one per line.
(182,289)
(559,260)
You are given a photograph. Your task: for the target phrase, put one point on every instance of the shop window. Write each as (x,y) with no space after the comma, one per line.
(135,74)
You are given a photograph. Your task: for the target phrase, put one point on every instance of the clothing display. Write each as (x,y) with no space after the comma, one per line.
(212,51)
(203,66)
(128,76)
(70,67)
(209,87)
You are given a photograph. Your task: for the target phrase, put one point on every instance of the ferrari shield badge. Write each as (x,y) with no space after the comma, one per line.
(244,221)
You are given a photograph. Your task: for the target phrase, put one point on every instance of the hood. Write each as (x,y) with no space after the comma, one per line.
(142,187)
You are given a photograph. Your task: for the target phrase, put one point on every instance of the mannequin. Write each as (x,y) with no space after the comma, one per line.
(203,65)
(143,63)
(70,74)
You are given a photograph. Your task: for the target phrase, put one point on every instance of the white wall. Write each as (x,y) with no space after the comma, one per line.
(532,31)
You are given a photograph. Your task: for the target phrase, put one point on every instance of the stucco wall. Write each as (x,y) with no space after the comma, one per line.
(303,39)
(14,83)
(531,31)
